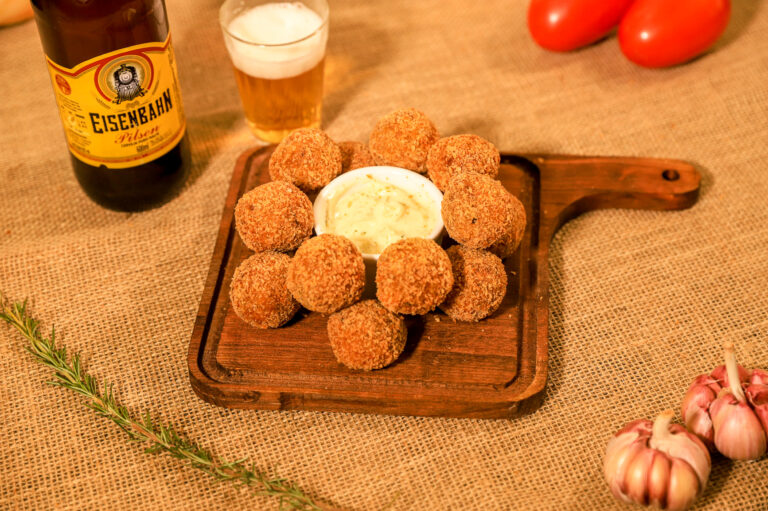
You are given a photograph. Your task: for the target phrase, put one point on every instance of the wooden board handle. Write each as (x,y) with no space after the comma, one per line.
(580,184)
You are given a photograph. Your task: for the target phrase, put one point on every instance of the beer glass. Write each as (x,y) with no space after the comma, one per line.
(278,53)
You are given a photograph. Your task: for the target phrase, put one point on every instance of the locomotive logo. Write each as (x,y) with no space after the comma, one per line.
(125,78)
(127,84)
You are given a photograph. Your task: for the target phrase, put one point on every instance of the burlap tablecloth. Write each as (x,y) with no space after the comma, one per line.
(640,301)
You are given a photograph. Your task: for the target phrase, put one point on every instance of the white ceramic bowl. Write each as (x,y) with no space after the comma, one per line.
(402,178)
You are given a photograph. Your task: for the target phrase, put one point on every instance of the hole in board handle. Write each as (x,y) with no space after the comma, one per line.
(670,175)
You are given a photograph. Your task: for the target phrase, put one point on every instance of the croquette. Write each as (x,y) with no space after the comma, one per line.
(511,239)
(258,293)
(355,155)
(308,158)
(478,211)
(402,139)
(413,276)
(366,335)
(461,153)
(479,284)
(326,273)
(274,216)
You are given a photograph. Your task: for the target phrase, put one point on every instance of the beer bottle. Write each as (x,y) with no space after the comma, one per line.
(115,82)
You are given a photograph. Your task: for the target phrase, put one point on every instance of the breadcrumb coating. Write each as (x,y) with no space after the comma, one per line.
(308,158)
(413,276)
(478,211)
(402,139)
(274,216)
(326,273)
(479,284)
(510,240)
(366,335)
(461,153)
(258,293)
(355,155)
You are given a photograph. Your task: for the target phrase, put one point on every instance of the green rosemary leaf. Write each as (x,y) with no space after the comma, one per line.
(69,374)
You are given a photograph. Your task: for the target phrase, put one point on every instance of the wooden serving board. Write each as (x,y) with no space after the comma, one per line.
(492,369)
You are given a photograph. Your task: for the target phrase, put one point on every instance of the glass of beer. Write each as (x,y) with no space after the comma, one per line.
(278,52)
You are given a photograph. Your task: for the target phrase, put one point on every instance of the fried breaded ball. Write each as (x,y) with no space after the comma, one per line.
(402,139)
(366,335)
(479,284)
(478,211)
(274,216)
(258,293)
(308,158)
(461,153)
(413,276)
(326,273)
(355,155)
(511,239)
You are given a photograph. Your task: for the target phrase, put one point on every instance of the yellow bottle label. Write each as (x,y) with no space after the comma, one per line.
(123,108)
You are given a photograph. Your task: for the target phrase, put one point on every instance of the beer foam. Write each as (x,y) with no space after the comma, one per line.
(274,25)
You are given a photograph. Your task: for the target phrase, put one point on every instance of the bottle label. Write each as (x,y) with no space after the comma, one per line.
(123,108)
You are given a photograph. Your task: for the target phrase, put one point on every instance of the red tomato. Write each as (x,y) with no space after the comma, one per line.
(661,33)
(564,25)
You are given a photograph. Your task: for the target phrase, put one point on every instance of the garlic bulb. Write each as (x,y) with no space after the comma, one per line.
(728,409)
(657,464)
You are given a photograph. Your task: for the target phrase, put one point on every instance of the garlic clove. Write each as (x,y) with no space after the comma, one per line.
(658,480)
(758,395)
(683,486)
(739,434)
(711,381)
(698,421)
(637,476)
(679,443)
(759,377)
(695,408)
(621,451)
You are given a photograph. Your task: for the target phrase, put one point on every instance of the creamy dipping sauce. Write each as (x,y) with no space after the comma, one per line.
(374,214)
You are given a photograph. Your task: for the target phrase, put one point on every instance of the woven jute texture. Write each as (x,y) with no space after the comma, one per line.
(640,301)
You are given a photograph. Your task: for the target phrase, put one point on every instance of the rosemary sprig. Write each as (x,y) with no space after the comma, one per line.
(69,373)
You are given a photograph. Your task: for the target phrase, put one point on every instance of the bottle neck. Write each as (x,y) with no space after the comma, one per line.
(73,31)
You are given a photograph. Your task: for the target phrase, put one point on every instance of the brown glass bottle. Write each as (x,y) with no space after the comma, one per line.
(76,31)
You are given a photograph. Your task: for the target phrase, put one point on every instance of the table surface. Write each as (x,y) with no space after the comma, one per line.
(641,301)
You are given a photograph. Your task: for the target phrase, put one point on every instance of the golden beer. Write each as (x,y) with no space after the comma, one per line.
(278,53)
(274,108)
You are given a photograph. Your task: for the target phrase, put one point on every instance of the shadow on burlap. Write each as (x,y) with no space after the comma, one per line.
(640,301)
